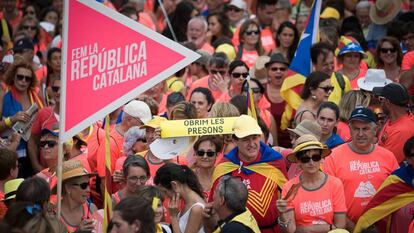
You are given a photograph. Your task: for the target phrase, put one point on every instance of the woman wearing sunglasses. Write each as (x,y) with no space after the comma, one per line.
(312,201)
(238,71)
(316,90)
(389,57)
(76,211)
(250,47)
(206,149)
(21,83)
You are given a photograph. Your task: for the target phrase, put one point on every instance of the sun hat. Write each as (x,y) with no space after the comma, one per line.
(277,58)
(352,47)
(10,188)
(363,114)
(383,11)
(168,148)
(138,109)
(394,92)
(72,169)
(373,78)
(330,12)
(307,127)
(245,126)
(307,142)
(154,122)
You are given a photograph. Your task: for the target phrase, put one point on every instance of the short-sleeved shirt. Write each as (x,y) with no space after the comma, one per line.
(316,206)
(394,134)
(361,174)
(408,63)
(333,141)
(342,129)
(115,147)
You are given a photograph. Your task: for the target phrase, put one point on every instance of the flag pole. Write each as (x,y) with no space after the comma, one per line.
(59,176)
(108,178)
(164,12)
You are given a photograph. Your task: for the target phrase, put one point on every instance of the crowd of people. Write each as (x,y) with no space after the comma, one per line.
(343,163)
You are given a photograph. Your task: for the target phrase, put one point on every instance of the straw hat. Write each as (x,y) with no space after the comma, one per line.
(72,169)
(383,11)
(10,188)
(307,127)
(307,142)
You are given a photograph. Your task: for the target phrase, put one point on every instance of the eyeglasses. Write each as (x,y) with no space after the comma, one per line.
(249,33)
(201,153)
(55,88)
(307,159)
(49,143)
(278,68)
(235,9)
(237,75)
(222,72)
(83,186)
(23,77)
(141,179)
(327,89)
(388,50)
(25,27)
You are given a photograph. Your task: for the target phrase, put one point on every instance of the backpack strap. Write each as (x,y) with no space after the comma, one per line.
(239,52)
(341,81)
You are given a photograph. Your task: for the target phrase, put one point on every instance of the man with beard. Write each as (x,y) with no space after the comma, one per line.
(400,124)
(361,165)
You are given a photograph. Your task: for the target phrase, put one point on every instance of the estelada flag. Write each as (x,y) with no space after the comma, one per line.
(301,66)
(251,109)
(395,192)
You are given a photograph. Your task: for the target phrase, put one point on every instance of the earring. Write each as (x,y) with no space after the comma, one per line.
(314,97)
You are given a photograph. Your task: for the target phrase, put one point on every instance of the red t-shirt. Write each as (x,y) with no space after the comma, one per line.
(317,206)
(361,174)
(263,193)
(394,135)
(408,63)
(343,131)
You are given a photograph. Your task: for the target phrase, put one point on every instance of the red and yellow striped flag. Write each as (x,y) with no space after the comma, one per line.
(108,178)
(251,110)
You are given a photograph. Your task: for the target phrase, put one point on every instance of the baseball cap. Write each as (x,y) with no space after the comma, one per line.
(22,44)
(363,114)
(245,126)
(238,3)
(154,122)
(394,92)
(53,130)
(138,109)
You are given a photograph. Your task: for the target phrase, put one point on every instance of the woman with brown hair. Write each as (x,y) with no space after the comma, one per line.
(21,93)
(389,57)
(250,47)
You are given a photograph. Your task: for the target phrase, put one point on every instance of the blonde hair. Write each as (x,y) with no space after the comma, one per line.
(351,100)
(224,110)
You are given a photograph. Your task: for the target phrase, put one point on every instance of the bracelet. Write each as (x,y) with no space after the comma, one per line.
(8,122)
(283,224)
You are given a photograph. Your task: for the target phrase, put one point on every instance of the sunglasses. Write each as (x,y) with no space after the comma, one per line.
(49,144)
(23,77)
(25,27)
(235,9)
(255,90)
(237,75)
(307,159)
(55,88)
(249,33)
(83,186)
(327,89)
(201,153)
(222,72)
(388,50)
(278,69)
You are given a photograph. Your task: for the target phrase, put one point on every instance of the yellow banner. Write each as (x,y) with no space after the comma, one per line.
(197,127)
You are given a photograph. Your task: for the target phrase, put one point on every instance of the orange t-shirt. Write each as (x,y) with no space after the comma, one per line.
(354,82)
(361,174)
(394,134)
(266,37)
(115,147)
(249,57)
(208,48)
(411,227)
(146,20)
(343,131)
(317,206)
(408,63)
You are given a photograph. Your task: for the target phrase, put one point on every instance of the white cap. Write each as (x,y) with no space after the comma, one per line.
(373,78)
(238,3)
(168,148)
(138,109)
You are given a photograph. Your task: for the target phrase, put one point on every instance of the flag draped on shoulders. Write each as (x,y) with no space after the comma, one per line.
(261,166)
(395,192)
(301,66)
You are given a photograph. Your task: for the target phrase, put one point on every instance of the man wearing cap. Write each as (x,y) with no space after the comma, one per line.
(360,164)
(400,124)
(322,55)
(262,170)
(277,69)
(236,12)
(136,113)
